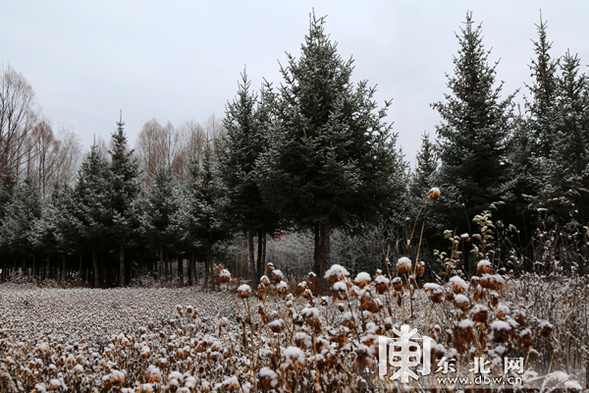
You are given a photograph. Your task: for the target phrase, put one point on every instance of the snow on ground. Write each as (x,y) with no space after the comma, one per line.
(187,339)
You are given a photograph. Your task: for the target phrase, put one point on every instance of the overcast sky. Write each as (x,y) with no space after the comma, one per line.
(181,60)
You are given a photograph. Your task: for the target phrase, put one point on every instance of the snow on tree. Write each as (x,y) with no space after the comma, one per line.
(124,187)
(244,142)
(157,209)
(91,207)
(473,133)
(331,158)
(569,162)
(206,206)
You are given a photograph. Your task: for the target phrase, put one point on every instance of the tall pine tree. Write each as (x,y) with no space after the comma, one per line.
(206,207)
(91,207)
(473,134)
(157,209)
(245,122)
(332,158)
(570,154)
(124,187)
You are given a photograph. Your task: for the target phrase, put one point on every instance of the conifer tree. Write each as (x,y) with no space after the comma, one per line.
(331,161)
(423,178)
(124,189)
(18,223)
(544,92)
(245,122)
(91,207)
(157,209)
(530,146)
(206,203)
(570,154)
(473,134)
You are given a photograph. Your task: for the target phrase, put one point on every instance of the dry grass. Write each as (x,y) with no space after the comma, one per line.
(186,340)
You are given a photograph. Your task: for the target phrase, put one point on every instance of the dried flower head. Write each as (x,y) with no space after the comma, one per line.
(404,265)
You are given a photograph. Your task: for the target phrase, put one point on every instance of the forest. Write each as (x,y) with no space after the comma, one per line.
(311,161)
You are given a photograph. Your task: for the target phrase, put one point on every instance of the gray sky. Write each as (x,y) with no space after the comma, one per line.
(181,60)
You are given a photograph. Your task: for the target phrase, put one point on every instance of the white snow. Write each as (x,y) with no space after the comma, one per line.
(461,299)
(500,325)
(310,312)
(404,261)
(382,280)
(465,323)
(282,284)
(459,281)
(363,276)
(337,271)
(484,262)
(244,288)
(294,354)
(224,273)
(266,372)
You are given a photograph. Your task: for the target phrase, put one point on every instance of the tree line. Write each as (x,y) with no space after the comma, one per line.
(313,154)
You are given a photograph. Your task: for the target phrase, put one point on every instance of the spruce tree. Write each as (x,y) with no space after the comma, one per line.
(206,207)
(530,146)
(331,160)
(543,91)
(245,122)
(423,178)
(473,134)
(91,206)
(570,154)
(124,187)
(157,209)
(18,223)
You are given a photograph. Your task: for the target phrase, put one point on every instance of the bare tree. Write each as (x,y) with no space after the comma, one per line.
(147,148)
(18,117)
(69,156)
(193,137)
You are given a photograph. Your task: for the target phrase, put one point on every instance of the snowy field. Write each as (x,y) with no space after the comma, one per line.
(189,340)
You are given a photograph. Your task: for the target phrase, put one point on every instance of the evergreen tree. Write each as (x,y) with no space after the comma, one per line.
(124,189)
(570,154)
(423,178)
(530,147)
(7,187)
(18,223)
(245,122)
(64,221)
(331,159)
(544,92)
(473,134)
(206,204)
(91,206)
(157,209)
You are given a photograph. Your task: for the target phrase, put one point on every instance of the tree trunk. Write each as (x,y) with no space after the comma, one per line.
(265,238)
(208,267)
(63,269)
(34,268)
(322,252)
(260,262)
(180,271)
(250,244)
(97,282)
(122,282)
(81,267)
(191,270)
(161,269)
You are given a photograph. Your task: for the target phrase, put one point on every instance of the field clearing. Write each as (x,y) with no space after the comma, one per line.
(191,340)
